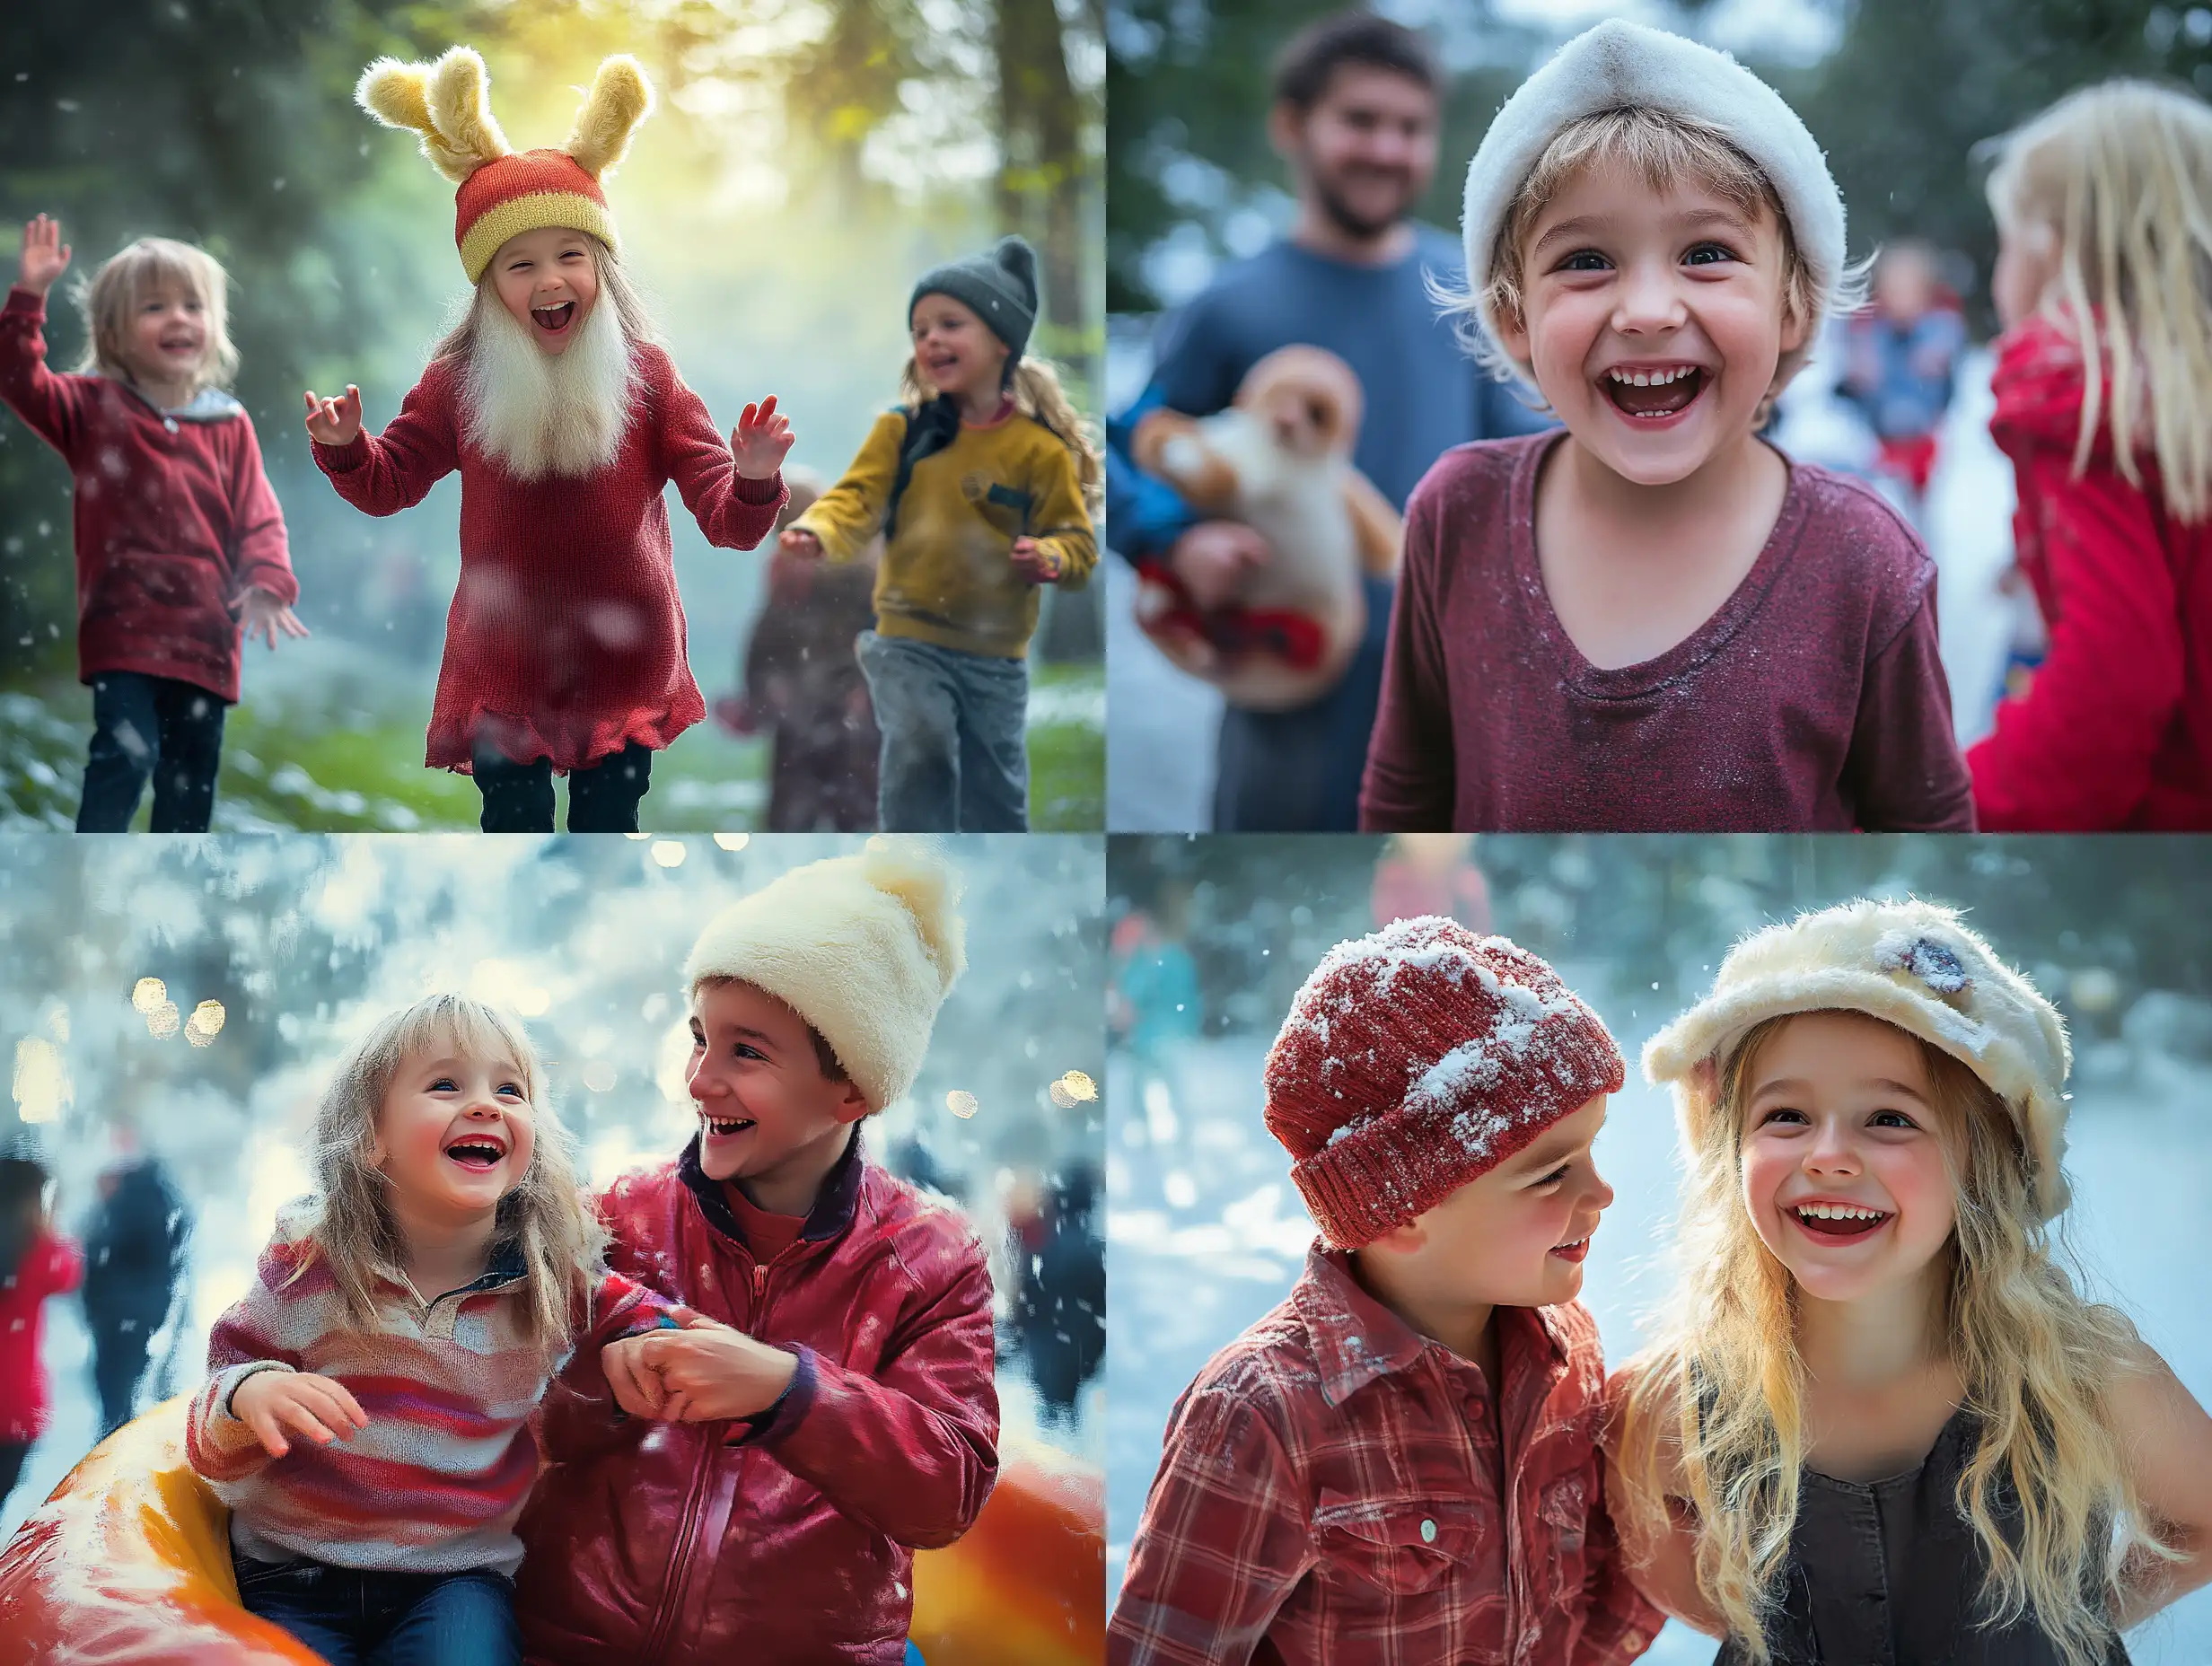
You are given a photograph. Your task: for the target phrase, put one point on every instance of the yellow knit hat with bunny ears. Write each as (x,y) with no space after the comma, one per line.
(504,193)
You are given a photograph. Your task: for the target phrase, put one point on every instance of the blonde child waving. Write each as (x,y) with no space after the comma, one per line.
(180,547)
(2103,389)
(366,1415)
(1880,1421)
(981,484)
(554,400)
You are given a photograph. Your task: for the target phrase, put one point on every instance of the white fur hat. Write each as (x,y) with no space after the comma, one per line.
(863,948)
(1914,964)
(1620,66)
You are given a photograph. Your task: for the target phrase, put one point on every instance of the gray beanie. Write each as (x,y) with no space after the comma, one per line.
(1001,286)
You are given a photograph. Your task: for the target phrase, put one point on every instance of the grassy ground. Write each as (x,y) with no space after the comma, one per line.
(344,753)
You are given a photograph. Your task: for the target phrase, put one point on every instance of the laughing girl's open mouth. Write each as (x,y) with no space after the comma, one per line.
(554,319)
(477,1154)
(1836,1219)
(1653,393)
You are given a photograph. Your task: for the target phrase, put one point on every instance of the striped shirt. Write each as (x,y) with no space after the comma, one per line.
(434,1483)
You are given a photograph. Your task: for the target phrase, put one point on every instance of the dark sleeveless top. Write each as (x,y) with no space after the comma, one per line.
(1889,1574)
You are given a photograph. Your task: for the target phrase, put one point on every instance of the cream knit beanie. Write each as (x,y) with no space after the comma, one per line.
(1914,964)
(863,948)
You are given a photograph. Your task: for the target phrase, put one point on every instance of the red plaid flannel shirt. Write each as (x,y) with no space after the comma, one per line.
(1330,1492)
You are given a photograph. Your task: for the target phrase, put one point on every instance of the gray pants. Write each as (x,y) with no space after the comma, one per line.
(953,758)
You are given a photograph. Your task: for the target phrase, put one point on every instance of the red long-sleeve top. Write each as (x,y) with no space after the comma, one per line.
(2115,731)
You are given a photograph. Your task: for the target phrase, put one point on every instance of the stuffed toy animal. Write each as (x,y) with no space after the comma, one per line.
(1278,460)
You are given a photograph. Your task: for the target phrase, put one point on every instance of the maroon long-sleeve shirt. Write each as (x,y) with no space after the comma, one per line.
(1811,701)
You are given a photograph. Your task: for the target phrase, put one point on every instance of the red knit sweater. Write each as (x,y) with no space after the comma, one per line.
(174,518)
(567,638)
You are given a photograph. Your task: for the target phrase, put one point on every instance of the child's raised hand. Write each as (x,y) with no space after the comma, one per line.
(334,421)
(45,256)
(763,441)
(259,613)
(269,1402)
(1038,566)
(798,541)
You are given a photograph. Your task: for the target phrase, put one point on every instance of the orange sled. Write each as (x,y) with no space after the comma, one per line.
(128,1563)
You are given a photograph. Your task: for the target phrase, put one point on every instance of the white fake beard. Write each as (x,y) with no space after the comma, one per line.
(544,413)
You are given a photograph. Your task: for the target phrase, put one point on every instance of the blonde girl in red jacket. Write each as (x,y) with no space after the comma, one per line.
(181,547)
(2104,391)
(561,410)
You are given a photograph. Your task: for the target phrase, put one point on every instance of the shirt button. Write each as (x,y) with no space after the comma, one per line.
(1634,1642)
(1428,1532)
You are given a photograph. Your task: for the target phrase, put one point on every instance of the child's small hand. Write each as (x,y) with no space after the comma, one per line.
(763,441)
(1038,566)
(709,1372)
(637,1389)
(798,541)
(260,614)
(334,421)
(45,256)
(268,1402)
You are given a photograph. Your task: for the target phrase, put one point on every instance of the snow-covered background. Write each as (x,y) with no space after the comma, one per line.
(305,939)
(1160,741)
(1206,1232)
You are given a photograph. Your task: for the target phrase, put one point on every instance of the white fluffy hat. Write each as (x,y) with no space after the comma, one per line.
(1914,964)
(863,948)
(1621,65)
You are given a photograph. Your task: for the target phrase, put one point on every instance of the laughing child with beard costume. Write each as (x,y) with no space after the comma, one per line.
(565,650)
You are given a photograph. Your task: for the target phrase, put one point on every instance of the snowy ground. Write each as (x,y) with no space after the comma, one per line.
(1207,1233)
(1160,745)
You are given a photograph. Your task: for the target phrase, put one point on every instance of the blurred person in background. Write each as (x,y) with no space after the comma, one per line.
(1357,115)
(35,1262)
(136,1245)
(1904,351)
(802,685)
(1059,1305)
(1420,874)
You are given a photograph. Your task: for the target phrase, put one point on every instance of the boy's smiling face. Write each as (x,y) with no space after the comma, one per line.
(1653,319)
(768,1115)
(1514,1236)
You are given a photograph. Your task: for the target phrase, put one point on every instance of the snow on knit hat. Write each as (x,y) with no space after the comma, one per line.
(1622,66)
(1916,965)
(1000,288)
(863,948)
(504,194)
(1417,1058)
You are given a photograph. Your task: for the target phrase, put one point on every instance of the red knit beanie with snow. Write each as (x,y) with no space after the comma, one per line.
(1418,1057)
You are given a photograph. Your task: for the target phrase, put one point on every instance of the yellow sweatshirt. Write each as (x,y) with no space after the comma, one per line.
(946,576)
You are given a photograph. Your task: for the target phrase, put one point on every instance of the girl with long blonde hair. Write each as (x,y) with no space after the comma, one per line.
(984,484)
(2103,383)
(365,1416)
(1879,1422)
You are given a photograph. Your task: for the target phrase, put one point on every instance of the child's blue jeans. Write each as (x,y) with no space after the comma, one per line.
(353,1617)
(954,756)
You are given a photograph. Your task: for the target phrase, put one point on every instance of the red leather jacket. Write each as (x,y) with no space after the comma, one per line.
(788,1538)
